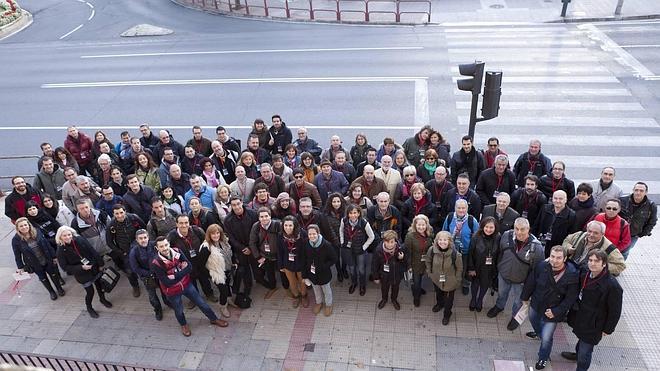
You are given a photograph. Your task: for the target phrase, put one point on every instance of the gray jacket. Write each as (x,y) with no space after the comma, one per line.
(50,183)
(514,266)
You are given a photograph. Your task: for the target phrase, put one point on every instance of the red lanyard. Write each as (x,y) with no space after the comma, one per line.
(556,185)
(290,245)
(264,234)
(387,256)
(75,247)
(438,195)
(500,179)
(532,164)
(351,231)
(586,282)
(521,244)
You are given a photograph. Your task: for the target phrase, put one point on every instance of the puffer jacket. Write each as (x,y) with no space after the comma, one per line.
(514,265)
(439,263)
(81,148)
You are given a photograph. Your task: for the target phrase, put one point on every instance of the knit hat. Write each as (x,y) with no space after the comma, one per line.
(282,196)
(326,162)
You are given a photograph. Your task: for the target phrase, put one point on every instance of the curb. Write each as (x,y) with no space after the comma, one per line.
(607,19)
(16,26)
(295,20)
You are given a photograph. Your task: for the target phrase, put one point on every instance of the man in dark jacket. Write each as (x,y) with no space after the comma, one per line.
(188,239)
(307,144)
(550,291)
(328,181)
(467,160)
(640,212)
(200,144)
(20,195)
(280,135)
(119,235)
(548,184)
(50,178)
(382,217)
(462,191)
(501,211)
(263,243)
(273,181)
(528,201)
(238,225)
(224,161)
(495,180)
(142,253)
(173,269)
(597,311)
(148,139)
(138,198)
(532,162)
(108,199)
(167,141)
(439,187)
(555,222)
(163,220)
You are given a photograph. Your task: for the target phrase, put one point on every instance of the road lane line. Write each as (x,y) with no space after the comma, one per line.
(624,58)
(72,31)
(103,84)
(91,15)
(129,127)
(602,141)
(422,115)
(309,50)
(568,121)
(640,46)
(561,106)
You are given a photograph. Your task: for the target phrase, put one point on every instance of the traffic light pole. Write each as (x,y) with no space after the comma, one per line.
(473,115)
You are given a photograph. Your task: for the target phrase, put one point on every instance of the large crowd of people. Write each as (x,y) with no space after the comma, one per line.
(213,216)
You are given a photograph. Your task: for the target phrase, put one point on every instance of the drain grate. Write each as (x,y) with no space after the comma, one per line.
(497,6)
(309,347)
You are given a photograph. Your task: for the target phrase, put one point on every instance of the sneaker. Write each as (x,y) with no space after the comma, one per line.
(513,325)
(532,335)
(396,304)
(381,304)
(317,308)
(493,312)
(327,310)
(571,356)
(540,364)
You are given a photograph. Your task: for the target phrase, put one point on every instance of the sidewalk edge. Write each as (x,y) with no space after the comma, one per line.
(17,26)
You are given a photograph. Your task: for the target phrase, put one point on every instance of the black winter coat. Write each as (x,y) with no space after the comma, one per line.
(25,257)
(504,223)
(599,308)
(480,249)
(545,293)
(323,258)
(489,183)
(238,231)
(397,267)
(528,206)
(139,203)
(557,227)
(584,211)
(290,255)
(193,251)
(548,186)
(408,211)
(474,203)
(70,261)
(642,217)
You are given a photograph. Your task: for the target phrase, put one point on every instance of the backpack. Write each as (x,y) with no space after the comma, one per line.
(242,301)
(453,257)
(470,220)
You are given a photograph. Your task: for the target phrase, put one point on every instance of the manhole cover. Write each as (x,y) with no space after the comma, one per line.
(497,6)
(309,347)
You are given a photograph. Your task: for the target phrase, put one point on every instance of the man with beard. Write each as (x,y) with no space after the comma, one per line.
(532,162)
(20,195)
(467,160)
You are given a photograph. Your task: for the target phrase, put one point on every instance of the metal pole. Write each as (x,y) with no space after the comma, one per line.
(563,8)
(473,115)
(619,5)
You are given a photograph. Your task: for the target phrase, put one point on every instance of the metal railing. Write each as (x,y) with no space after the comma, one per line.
(16,157)
(396,11)
(65,363)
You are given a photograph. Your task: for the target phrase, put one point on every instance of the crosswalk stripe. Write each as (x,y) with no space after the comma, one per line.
(584,69)
(564,106)
(572,140)
(563,92)
(566,121)
(559,30)
(520,51)
(533,57)
(515,43)
(619,162)
(555,79)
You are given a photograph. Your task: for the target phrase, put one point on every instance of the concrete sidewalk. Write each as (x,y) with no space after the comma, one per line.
(273,336)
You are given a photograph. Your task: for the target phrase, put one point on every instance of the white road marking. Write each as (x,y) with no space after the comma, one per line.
(601,141)
(560,92)
(624,58)
(639,46)
(93,12)
(286,80)
(422,115)
(555,79)
(309,50)
(563,106)
(72,31)
(570,121)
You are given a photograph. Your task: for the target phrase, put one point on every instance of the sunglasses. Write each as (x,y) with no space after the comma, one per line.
(298,177)
(612,208)
(407,175)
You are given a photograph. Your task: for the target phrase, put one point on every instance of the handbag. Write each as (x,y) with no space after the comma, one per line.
(109,278)
(242,301)
(150,282)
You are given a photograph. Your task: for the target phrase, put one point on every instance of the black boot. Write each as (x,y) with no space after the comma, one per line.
(57,277)
(58,285)
(104,301)
(46,283)
(92,312)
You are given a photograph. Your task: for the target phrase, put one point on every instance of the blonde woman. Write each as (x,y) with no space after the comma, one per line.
(418,241)
(34,254)
(444,266)
(219,263)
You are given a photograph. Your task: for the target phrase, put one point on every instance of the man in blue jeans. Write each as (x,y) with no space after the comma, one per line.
(172,269)
(519,252)
(597,311)
(551,290)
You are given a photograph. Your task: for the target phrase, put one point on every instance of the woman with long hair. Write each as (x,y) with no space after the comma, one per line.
(308,166)
(319,257)
(221,201)
(359,150)
(260,129)
(100,137)
(63,158)
(290,259)
(417,242)
(57,209)
(355,236)
(482,260)
(171,200)
(118,181)
(43,221)
(400,161)
(147,171)
(211,175)
(78,258)
(219,263)
(34,254)
(357,198)
(334,211)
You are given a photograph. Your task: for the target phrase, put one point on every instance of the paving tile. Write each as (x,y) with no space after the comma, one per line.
(190,360)
(272,364)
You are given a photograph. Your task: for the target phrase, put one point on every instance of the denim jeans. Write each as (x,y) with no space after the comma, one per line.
(153,297)
(545,330)
(323,294)
(191,293)
(504,287)
(583,351)
(633,241)
(357,267)
(417,285)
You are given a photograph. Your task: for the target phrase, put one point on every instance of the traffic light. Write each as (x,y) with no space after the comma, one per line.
(476,72)
(492,92)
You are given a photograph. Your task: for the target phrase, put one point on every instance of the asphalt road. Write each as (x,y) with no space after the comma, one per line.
(563,83)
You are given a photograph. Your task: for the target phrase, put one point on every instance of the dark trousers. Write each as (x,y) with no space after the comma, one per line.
(584,351)
(89,293)
(204,281)
(153,297)
(478,293)
(444,299)
(265,275)
(193,295)
(243,276)
(387,282)
(121,262)
(224,289)
(417,285)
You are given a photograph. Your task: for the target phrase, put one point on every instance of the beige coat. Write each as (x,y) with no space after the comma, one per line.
(438,263)
(392,180)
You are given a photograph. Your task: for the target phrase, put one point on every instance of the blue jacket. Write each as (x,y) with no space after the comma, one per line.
(545,293)
(466,231)
(336,183)
(24,256)
(106,206)
(140,258)
(206,196)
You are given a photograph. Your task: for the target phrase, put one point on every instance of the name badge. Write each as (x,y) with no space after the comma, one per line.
(279,149)
(292,257)
(84,261)
(580,295)
(349,244)
(524,214)
(548,236)
(421,152)
(312,269)
(496,193)
(489,260)
(266,247)
(386,268)
(530,173)
(442,278)
(193,253)
(225,172)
